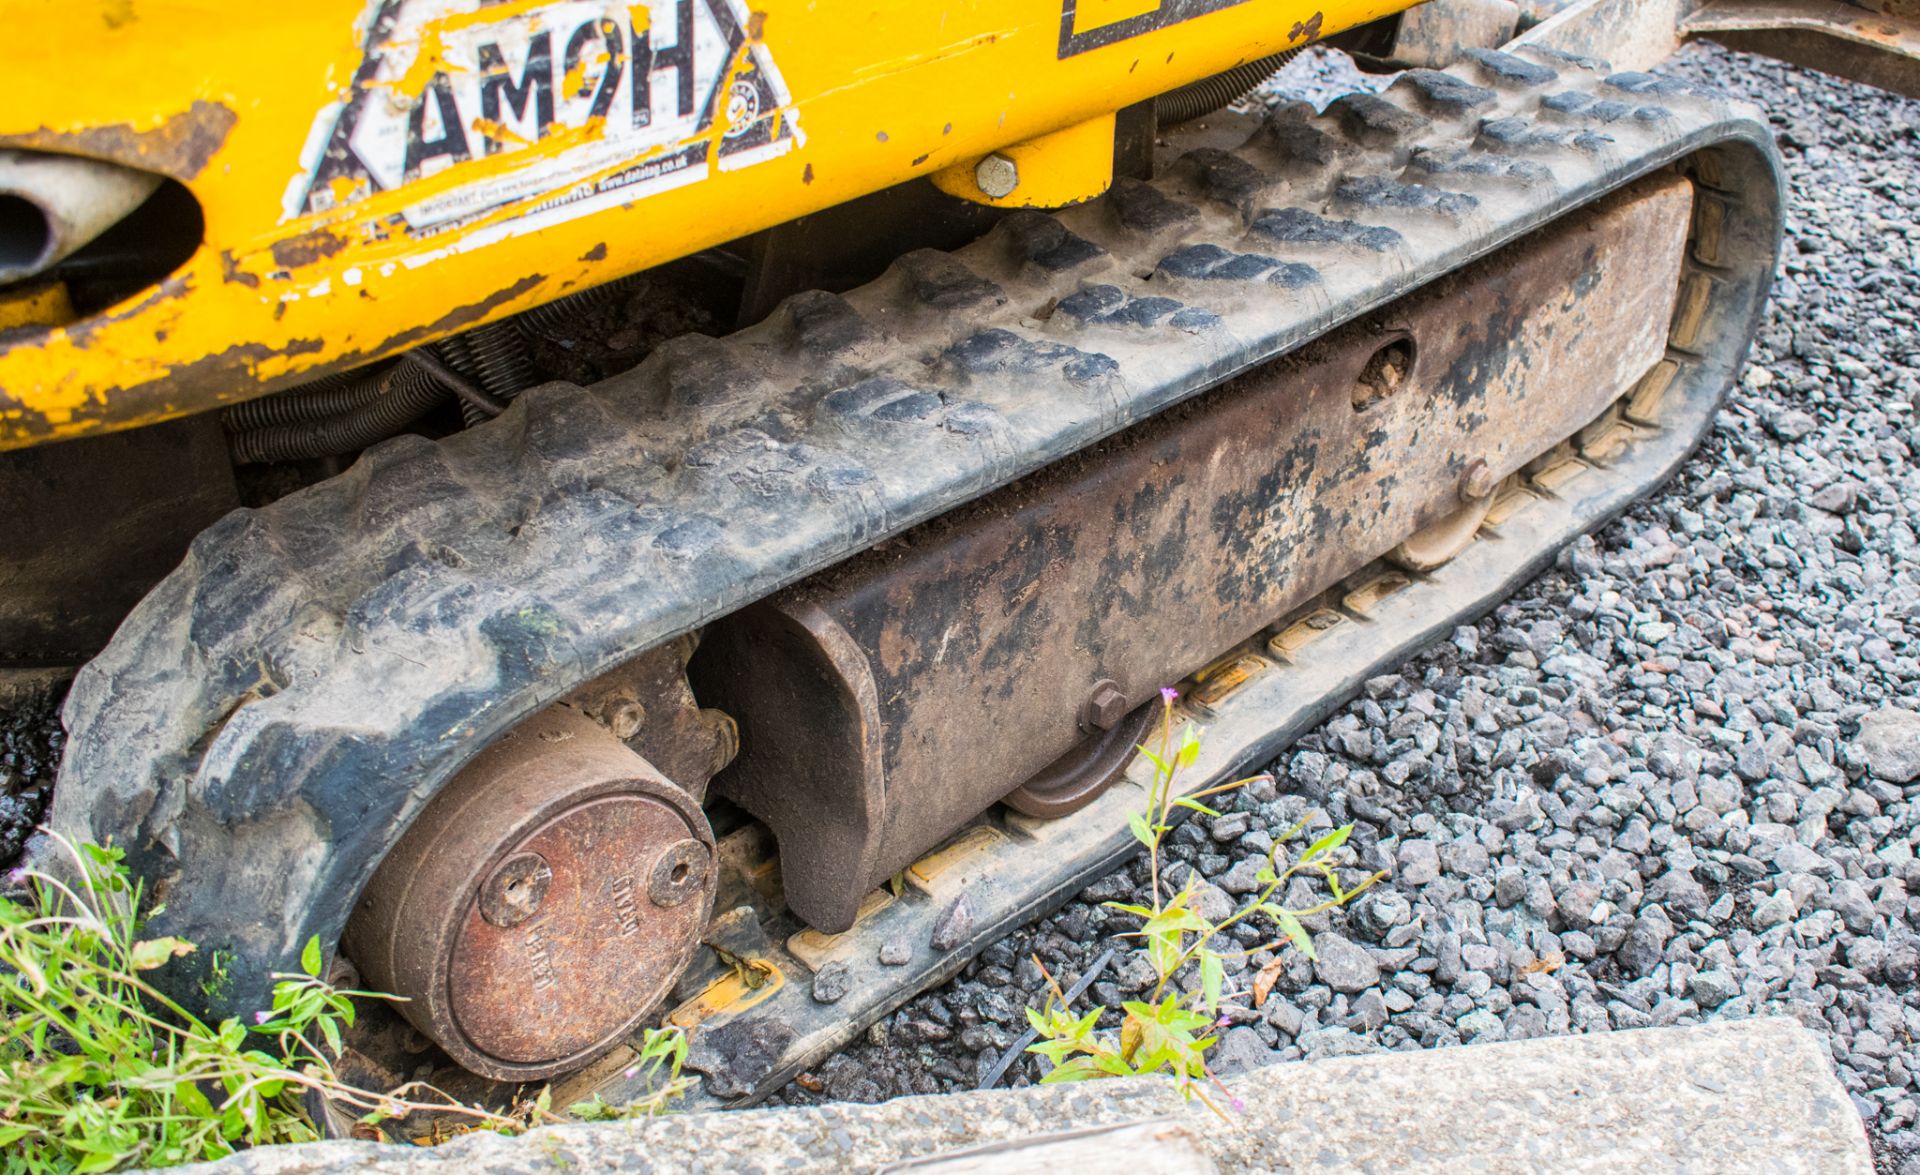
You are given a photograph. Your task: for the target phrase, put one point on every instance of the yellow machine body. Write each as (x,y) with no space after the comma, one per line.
(376,174)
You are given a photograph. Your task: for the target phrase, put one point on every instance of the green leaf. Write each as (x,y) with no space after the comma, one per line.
(1077,1069)
(154,952)
(1290,926)
(1189,747)
(192,1100)
(1195,805)
(1327,843)
(1212,976)
(310,957)
(1142,832)
(330,1028)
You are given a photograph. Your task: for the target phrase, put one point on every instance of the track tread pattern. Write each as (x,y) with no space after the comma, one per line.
(270,718)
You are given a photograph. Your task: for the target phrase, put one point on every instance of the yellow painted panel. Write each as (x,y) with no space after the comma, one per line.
(376,174)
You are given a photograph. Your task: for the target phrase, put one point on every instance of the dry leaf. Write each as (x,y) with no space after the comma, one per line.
(1546,966)
(1263,982)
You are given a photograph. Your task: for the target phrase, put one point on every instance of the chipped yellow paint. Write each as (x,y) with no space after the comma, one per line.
(881,91)
(46,304)
(730,995)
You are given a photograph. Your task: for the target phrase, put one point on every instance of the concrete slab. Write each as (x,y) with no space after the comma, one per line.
(1750,1097)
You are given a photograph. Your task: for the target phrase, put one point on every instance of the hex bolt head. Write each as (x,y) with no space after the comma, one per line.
(515,890)
(997,176)
(625,718)
(1106,706)
(1478,482)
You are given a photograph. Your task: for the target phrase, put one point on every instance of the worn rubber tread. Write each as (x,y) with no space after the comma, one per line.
(272,716)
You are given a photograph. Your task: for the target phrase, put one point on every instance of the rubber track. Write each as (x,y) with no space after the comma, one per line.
(270,718)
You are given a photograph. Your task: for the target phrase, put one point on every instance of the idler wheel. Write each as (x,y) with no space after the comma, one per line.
(543,903)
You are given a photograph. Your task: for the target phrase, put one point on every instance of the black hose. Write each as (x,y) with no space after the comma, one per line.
(1210,94)
(330,395)
(494,356)
(400,395)
(484,367)
(561,313)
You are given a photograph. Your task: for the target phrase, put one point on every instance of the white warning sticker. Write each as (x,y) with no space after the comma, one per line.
(604,101)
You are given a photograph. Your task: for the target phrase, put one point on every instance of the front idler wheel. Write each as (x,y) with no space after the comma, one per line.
(543,904)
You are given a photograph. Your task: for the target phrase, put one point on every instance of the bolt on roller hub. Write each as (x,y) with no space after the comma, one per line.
(543,904)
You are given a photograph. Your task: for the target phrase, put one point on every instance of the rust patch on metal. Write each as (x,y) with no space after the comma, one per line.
(224,377)
(459,318)
(1876,43)
(180,147)
(230,271)
(307,248)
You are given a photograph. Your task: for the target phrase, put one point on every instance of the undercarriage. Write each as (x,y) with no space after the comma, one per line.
(826,644)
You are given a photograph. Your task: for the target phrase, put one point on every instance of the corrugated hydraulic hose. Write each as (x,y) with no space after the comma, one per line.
(372,408)
(1210,94)
(495,357)
(330,395)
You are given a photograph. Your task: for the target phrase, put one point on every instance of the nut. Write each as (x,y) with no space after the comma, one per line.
(1478,482)
(997,176)
(1106,706)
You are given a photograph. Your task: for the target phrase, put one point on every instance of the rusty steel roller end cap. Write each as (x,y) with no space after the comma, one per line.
(542,904)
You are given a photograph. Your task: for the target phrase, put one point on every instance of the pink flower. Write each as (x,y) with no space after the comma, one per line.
(1169,695)
(261,1017)
(1239,1107)
(631,1072)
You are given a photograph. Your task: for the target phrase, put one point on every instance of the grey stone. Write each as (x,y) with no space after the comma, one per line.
(832,983)
(1774,910)
(1239,1050)
(1417,863)
(954,925)
(896,951)
(1889,741)
(1710,989)
(1343,966)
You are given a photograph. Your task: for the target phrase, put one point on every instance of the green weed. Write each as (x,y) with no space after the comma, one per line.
(1171,1030)
(100,1071)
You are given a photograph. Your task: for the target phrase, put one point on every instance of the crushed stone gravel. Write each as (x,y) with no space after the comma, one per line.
(31,742)
(1675,780)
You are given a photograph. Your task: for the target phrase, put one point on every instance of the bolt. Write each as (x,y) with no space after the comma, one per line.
(726,737)
(678,873)
(997,176)
(515,890)
(625,717)
(1106,706)
(1479,481)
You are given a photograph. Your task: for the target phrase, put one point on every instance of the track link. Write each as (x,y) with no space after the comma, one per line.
(269,720)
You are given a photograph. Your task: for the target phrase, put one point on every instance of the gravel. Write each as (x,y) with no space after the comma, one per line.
(1676,779)
(31,741)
